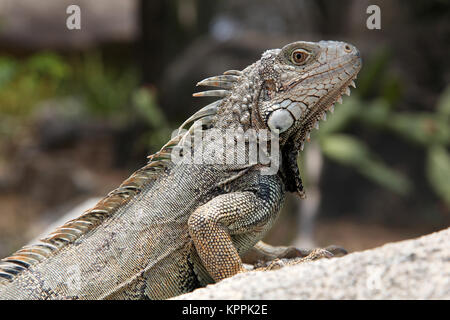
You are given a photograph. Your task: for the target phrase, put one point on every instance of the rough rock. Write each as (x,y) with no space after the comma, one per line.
(412,269)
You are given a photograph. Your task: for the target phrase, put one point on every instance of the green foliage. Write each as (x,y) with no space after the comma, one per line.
(438,171)
(145,104)
(443,106)
(350,151)
(8,68)
(420,127)
(23,83)
(106,91)
(48,65)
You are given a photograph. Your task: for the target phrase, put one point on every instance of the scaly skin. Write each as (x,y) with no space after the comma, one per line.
(173,227)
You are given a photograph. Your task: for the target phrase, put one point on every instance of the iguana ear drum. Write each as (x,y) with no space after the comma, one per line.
(280,120)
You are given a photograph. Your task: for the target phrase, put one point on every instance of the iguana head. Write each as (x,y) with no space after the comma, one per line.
(301,82)
(287,91)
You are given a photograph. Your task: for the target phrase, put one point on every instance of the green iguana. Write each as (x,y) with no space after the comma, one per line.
(174,226)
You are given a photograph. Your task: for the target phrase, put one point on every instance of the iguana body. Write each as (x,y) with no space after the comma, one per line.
(173,227)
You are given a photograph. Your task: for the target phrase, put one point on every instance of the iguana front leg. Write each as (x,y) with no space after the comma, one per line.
(230,224)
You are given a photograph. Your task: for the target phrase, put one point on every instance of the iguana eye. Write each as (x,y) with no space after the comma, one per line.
(299,56)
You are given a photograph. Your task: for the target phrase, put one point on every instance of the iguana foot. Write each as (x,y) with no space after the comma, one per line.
(262,254)
(297,256)
(293,252)
(314,255)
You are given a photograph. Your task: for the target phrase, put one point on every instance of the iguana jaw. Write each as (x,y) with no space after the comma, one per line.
(325,104)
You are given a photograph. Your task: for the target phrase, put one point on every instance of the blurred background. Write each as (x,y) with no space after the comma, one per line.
(81,109)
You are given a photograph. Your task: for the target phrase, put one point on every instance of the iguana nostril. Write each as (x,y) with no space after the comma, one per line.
(280,120)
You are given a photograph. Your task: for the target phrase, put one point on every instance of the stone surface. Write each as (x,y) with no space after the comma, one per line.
(411,269)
